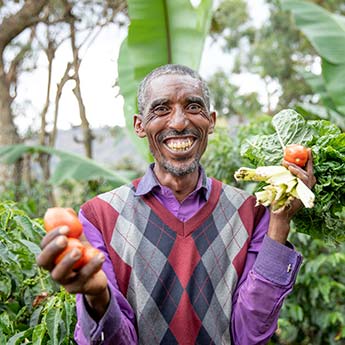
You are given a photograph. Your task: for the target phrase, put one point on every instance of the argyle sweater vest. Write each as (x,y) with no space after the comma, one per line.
(179,277)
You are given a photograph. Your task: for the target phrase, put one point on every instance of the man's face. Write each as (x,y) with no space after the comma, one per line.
(176,122)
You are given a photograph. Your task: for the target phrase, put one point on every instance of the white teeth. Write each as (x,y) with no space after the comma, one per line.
(180,145)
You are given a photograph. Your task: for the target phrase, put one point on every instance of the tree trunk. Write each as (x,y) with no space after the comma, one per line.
(8,131)
(10,28)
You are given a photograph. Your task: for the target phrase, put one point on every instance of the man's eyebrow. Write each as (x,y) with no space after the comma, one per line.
(196,99)
(158,101)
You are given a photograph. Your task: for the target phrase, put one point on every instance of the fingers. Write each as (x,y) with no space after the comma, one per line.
(309,167)
(51,249)
(63,271)
(51,235)
(297,171)
(53,243)
(307,174)
(90,279)
(76,271)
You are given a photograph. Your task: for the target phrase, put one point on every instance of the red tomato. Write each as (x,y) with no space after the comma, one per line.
(88,254)
(59,216)
(71,244)
(296,153)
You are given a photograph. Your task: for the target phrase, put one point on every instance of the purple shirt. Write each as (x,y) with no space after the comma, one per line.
(269,274)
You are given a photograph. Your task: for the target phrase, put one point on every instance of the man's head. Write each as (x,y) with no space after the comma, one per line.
(172,70)
(175,116)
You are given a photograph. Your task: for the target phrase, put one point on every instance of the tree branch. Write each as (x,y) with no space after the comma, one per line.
(11,75)
(13,25)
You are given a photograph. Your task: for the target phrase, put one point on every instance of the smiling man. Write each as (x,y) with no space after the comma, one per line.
(175,117)
(185,258)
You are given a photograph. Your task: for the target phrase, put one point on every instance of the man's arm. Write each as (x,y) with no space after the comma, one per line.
(268,277)
(103,312)
(108,322)
(270,271)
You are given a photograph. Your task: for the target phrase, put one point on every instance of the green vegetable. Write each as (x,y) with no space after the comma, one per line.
(281,188)
(327,218)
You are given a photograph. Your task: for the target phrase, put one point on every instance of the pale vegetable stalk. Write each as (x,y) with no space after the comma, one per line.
(282,186)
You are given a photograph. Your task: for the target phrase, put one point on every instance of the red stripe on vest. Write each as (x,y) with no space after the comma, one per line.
(104,217)
(250,223)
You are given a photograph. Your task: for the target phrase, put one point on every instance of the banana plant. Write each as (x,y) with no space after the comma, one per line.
(326,33)
(160,32)
(70,165)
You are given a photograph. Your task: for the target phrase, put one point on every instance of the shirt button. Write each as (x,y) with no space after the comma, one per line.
(289,268)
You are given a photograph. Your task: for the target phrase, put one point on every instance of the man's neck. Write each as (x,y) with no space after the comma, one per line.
(181,186)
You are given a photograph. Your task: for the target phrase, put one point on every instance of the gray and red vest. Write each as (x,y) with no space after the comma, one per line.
(179,277)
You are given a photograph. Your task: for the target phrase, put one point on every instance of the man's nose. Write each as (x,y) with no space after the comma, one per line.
(179,120)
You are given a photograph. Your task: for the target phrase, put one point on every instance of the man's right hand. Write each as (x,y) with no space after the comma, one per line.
(90,280)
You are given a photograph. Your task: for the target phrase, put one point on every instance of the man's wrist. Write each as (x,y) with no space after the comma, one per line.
(279,228)
(98,304)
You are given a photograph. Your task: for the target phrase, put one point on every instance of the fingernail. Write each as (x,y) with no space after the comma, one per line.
(61,241)
(100,257)
(75,253)
(64,230)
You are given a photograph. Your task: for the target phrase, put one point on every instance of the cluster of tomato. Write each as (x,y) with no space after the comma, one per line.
(60,216)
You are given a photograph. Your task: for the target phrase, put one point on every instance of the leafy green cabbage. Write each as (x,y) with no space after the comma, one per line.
(326,220)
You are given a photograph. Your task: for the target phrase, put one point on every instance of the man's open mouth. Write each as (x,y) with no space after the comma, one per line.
(179,144)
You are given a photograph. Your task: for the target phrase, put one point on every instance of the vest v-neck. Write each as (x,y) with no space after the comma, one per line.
(184,229)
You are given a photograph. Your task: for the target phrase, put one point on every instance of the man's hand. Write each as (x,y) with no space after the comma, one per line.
(90,280)
(280,221)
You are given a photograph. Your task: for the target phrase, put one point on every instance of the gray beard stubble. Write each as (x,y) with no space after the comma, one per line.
(181,171)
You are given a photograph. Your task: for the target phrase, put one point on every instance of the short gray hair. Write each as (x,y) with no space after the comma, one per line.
(173,69)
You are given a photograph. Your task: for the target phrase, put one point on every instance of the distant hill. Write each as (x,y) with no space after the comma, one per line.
(111,146)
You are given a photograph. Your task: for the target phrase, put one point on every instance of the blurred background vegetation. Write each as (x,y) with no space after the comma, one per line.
(294,67)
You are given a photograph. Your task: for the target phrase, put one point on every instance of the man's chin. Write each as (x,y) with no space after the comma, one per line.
(181,169)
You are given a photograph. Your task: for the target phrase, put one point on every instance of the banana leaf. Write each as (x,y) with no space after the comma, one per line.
(70,165)
(326,32)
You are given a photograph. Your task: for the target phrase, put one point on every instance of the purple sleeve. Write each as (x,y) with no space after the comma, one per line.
(117,325)
(268,277)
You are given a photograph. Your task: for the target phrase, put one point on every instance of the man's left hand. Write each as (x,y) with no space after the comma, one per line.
(280,220)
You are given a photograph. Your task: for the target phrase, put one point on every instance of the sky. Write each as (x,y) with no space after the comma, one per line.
(98,72)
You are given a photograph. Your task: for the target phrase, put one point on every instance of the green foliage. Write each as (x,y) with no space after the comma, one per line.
(227,99)
(32,199)
(326,219)
(230,22)
(314,314)
(70,167)
(33,310)
(160,32)
(221,158)
(275,51)
(326,32)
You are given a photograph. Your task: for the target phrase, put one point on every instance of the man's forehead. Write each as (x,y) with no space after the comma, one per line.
(169,82)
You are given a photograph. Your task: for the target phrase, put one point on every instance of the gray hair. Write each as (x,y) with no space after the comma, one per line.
(173,69)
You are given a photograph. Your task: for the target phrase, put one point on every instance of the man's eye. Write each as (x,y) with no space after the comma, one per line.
(194,108)
(161,110)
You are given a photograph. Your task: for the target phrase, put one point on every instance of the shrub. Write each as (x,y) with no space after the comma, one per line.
(33,309)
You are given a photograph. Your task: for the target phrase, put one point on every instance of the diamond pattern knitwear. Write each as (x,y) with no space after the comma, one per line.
(179,277)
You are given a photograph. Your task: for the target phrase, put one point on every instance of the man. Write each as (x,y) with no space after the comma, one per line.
(185,259)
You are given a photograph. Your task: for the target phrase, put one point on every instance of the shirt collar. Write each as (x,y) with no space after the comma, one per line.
(149,182)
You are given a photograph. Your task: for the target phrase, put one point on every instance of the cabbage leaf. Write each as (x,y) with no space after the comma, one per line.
(326,220)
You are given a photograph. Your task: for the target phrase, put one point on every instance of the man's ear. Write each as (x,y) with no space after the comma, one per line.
(213,117)
(138,126)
